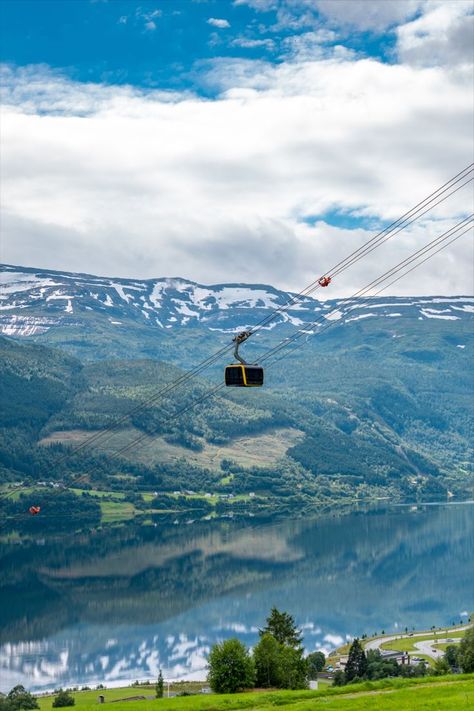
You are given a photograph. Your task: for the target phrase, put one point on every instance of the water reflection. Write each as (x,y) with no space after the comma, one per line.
(123,603)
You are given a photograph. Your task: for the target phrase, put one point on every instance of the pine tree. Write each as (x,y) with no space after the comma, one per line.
(282,626)
(159,687)
(356,666)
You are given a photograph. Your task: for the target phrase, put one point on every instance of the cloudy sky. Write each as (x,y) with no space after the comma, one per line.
(234,141)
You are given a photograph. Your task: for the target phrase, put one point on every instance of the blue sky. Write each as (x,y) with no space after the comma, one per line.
(148,138)
(163,43)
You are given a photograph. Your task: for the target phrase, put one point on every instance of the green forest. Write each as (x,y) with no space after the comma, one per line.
(361,416)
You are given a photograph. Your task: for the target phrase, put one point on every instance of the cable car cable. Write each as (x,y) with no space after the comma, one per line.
(365,249)
(388,274)
(386,287)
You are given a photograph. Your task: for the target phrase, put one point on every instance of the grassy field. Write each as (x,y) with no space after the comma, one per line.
(118,495)
(248,451)
(116,511)
(449,693)
(407,644)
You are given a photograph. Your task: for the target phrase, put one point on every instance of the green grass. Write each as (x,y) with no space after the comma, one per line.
(443,647)
(116,511)
(95,492)
(14,494)
(407,644)
(449,693)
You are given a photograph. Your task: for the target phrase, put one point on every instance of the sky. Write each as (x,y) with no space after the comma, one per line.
(254,141)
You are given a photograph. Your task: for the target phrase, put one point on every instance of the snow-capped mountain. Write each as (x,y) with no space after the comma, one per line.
(34,301)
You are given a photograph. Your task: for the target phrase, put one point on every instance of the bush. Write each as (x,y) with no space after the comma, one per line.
(441,667)
(63,698)
(231,668)
(316,662)
(339,678)
(19,698)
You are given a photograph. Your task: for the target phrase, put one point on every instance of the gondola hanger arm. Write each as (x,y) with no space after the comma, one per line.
(238,339)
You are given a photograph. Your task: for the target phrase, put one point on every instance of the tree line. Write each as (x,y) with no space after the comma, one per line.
(362,665)
(277,660)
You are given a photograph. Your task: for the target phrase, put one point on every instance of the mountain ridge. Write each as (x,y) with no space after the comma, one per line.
(53,298)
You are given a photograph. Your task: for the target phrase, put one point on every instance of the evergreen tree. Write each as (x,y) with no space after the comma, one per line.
(356,666)
(231,668)
(159,686)
(282,626)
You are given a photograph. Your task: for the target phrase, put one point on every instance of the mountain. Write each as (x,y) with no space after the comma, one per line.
(380,403)
(178,320)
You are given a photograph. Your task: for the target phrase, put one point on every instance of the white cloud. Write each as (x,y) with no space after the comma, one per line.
(443,36)
(365,14)
(148,17)
(248,43)
(118,181)
(216,22)
(334,639)
(374,15)
(308,46)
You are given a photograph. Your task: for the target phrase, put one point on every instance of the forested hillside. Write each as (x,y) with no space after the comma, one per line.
(363,414)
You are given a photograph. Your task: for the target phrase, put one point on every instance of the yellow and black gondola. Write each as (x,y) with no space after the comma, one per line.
(242,374)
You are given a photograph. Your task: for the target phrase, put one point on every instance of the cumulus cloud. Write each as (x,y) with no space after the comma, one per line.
(443,36)
(373,15)
(249,43)
(367,14)
(308,46)
(216,22)
(245,187)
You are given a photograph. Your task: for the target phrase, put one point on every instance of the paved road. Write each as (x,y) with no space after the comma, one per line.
(425,647)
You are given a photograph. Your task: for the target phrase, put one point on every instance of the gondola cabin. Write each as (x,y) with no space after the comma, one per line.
(244,376)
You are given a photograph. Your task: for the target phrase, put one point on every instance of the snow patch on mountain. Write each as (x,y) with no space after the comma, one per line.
(427,313)
(358,318)
(119,289)
(25,325)
(171,303)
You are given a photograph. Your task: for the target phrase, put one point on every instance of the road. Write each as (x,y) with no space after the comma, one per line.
(425,647)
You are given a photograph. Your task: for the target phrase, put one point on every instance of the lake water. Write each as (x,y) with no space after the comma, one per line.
(122,603)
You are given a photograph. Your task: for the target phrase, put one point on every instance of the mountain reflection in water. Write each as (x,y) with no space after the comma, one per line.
(122,603)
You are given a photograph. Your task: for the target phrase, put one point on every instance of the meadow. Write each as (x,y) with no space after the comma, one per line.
(449,693)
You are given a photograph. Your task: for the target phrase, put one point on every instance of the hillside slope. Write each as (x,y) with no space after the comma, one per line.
(337,432)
